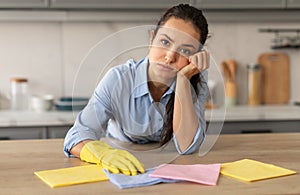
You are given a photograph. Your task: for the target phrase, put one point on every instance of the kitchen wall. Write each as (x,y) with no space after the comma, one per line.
(49,54)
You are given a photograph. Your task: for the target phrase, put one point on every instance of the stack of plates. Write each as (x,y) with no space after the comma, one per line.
(71,103)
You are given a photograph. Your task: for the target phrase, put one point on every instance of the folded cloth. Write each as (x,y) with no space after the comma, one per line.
(124,181)
(72,175)
(198,173)
(251,170)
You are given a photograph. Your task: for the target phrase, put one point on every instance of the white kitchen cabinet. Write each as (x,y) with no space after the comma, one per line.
(240,4)
(24,3)
(115,4)
(293,4)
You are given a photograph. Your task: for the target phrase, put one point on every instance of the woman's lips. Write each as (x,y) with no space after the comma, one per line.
(165,67)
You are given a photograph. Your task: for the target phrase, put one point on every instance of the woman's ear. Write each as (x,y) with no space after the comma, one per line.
(151,37)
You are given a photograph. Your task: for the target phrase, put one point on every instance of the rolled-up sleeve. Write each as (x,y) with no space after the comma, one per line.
(92,121)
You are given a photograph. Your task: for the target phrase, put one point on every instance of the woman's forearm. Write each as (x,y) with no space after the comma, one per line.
(78,147)
(185,120)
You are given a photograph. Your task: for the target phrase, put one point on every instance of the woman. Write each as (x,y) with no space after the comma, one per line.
(154,100)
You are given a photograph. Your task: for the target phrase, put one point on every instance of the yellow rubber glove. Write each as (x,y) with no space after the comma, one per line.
(114,160)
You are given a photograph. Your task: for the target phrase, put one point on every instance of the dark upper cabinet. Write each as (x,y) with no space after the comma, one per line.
(293,4)
(24,3)
(148,4)
(114,4)
(240,4)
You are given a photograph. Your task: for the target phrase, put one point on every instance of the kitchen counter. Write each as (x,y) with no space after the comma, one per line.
(23,157)
(35,125)
(257,113)
(9,118)
(236,113)
(256,119)
(238,119)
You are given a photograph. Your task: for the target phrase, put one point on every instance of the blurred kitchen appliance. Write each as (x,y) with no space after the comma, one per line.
(254,84)
(19,94)
(275,78)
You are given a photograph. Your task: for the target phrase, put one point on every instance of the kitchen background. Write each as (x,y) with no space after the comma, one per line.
(47,47)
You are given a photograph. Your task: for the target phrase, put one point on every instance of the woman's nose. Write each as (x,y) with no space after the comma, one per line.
(170,57)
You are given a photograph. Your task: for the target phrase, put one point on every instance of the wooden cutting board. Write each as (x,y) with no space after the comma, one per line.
(275,78)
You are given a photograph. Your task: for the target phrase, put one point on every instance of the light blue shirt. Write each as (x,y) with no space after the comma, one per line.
(123,108)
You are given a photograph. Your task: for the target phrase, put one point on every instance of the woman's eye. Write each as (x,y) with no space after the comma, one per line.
(186,52)
(165,42)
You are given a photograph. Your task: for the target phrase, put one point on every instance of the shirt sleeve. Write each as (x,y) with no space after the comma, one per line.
(200,111)
(92,121)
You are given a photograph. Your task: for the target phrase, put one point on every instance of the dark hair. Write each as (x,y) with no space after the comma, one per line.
(190,14)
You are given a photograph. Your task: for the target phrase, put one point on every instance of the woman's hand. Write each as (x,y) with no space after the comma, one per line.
(197,63)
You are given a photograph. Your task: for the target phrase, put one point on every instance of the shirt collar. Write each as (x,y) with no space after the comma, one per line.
(140,80)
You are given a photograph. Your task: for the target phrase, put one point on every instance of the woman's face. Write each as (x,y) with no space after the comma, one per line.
(170,49)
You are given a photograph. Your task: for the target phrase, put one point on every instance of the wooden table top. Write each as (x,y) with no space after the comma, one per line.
(21,158)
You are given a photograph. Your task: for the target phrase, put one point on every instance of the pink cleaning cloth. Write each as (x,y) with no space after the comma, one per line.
(203,174)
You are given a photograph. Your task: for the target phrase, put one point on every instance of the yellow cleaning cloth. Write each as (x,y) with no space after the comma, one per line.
(251,170)
(73,175)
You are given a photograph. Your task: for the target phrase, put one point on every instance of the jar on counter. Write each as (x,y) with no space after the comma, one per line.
(19,94)
(254,84)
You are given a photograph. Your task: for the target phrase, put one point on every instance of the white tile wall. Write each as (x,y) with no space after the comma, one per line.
(49,54)
(94,45)
(244,43)
(31,50)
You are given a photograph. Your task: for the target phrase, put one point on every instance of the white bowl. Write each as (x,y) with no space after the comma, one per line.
(42,103)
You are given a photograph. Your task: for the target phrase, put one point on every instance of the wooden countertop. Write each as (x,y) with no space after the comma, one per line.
(20,159)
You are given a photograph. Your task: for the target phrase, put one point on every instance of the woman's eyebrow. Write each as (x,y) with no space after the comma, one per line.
(168,37)
(184,45)
(188,45)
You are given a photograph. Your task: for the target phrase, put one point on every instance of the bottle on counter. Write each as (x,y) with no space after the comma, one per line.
(19,94)
(230,93)
(229,71)
(254,84)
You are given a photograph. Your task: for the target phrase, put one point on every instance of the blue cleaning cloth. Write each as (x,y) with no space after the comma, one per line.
(124,181)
